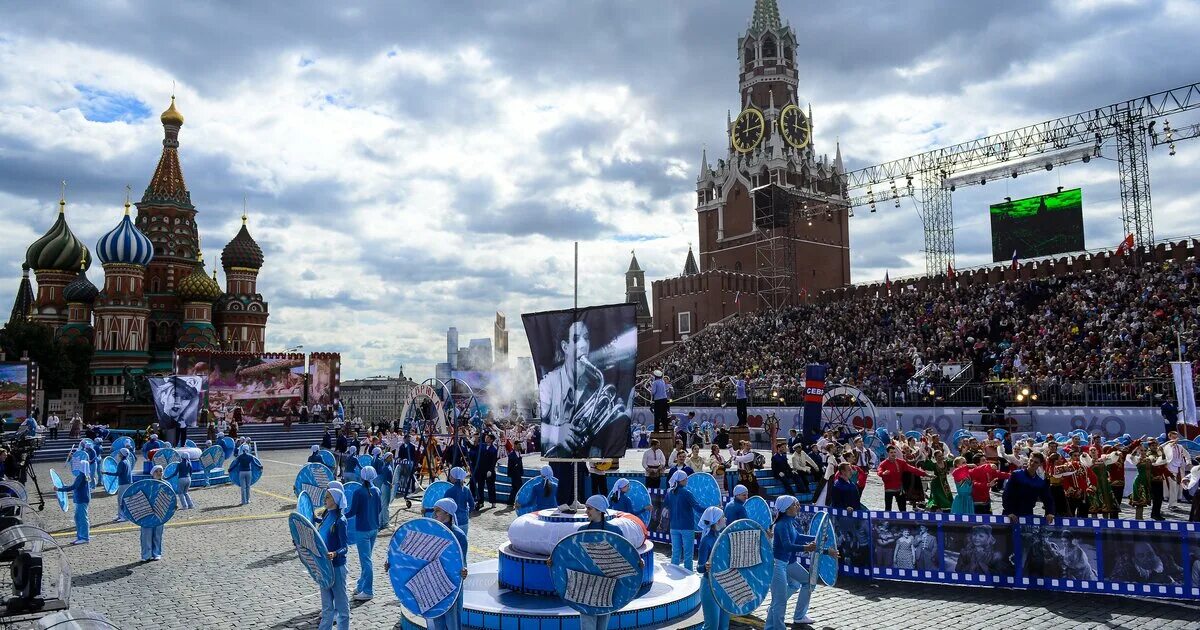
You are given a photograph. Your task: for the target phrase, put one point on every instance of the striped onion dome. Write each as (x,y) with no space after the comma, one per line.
(58,249)
(125,244)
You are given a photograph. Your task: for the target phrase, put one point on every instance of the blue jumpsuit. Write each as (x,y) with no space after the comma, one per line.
(789,576)
(466,503)
(185,484)
(81,494)
(620,502)
(715,617)
(543,500)
(365,509)
(335,604)
(735,510)
(452,620)
(244,465)
(683,506)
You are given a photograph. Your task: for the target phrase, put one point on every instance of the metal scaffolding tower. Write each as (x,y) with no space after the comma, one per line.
(1136,216)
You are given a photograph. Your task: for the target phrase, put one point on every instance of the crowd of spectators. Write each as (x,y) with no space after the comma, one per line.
(1053,335)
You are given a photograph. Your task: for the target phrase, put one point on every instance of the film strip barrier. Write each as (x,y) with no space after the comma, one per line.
(1119,557)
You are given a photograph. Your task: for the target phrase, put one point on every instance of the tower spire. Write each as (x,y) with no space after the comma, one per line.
(62,198)
(766,16)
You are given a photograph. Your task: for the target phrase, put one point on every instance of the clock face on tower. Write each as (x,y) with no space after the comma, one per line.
(748,130)
(795,127)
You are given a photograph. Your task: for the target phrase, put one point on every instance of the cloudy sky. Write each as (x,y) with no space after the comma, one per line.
(415,166)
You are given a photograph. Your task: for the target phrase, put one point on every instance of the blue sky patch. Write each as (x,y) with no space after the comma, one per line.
(99,105)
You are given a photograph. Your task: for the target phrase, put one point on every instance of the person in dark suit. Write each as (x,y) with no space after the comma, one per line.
(782,470)
(485,457)
(516,471)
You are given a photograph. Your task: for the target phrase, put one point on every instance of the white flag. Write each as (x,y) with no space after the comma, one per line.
(1185,392)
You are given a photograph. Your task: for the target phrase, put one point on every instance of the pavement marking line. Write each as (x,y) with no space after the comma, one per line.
(199,521)
(276,461)
(748,621)
(272,494)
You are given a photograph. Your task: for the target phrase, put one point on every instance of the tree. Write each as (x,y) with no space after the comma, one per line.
(60,366)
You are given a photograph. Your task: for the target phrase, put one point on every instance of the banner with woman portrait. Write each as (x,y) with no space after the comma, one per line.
(586,361)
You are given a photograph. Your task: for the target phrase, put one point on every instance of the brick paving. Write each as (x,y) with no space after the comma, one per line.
(231,566)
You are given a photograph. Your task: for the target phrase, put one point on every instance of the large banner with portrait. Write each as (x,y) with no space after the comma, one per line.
(14,391)
(246,387)
(177,399)
(1147,558)
(324,378)
(586,361)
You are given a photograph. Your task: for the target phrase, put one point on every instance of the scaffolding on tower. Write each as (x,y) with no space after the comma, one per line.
(779,213)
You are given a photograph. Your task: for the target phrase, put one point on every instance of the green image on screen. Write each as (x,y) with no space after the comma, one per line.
(1038,226)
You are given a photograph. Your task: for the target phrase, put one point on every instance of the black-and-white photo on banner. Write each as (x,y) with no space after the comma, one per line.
(177,400)
(586,361)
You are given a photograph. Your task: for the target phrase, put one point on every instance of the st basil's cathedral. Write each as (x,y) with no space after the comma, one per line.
(157,296)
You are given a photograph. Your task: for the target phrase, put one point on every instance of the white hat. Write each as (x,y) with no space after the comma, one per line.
(458,474)
(658,373)
(598,502)
(368,473)
(450,507)
(783,503)
(740,490)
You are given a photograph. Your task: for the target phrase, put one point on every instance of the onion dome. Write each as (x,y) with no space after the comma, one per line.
(81,290)
(125,244)
(242,251)
(198,286)
(172,115)
(58,249)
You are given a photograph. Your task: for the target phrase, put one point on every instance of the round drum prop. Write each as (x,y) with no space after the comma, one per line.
(708,494)
(171,475)
(304,507)
(758,511)
(742,567)
(227,445)
(434,493)
(311,549)
(148,503)
(824,565)
(124,442)
(78,456)
(165,456)
(108,474)
(328,459)
(59,494)
(235,471)
(366,460)
(350,489)
(425,567)
(312,480)
(595,572)
(212,457)
(527,497)
(639,496)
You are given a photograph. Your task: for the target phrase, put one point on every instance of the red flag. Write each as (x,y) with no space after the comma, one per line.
(1014,262)
(1126,245)
(950,271)
(803,292)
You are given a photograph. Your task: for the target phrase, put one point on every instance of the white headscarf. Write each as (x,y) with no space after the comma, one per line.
(458,474)
(711,516)
(368,473)
(621,485)
(598,502)
(376,451)
(315,448)
(740,490)
(677,477)
(784,503)
(339,496)
(548,473)
(450,507)
(353,451)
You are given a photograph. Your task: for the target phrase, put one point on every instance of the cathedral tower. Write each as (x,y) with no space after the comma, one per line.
(635,292)
(55,260)
(122,308)
(242,313)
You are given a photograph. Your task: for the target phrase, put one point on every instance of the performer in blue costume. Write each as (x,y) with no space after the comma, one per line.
(350,465)
(81,495)
(315,458)
(365,508)
(597,511)
(245,464)
(335,606)
(185,481)
(92,456)
(735,510)
(789,576)
(386,491)
(682,506)
(620,497)
(715,617)
(124,476)
(95,455)
(152,536)
(545,490)
(462,497)
(444,512)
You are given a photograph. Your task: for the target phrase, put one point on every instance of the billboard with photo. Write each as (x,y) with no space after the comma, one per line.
(14,391)
(177,400)
(585,361)
(1038,226)
(324,377)
(247,387)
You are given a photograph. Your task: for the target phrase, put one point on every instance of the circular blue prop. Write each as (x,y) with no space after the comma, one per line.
(304,507)
(1192,446)
(740,581)
(595,572)
(148,503)
(877,445)
(758,511)
(108,474)
(78,456)
(350,489)
(212,457)
(826,566)
(999,433)
(227,445)
(312,480)
(235,470)
(882,434)
(171,475)
(425,563)
(639,496)
(123,442)
(708,494)
(190,444)
(59,494)
(916,435)
(88,443)
(366,460)
(328,459)
(311,549)
(165,456)
(527,495)
(435,492)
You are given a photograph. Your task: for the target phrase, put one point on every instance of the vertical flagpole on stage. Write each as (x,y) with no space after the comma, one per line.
(577,477)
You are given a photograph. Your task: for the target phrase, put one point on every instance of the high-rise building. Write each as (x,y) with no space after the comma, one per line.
(500,341)
(477,356)
(452,347)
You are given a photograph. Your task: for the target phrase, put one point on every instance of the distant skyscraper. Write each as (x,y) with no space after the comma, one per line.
(500,341)
(477,356)
(452,347)
(442,371)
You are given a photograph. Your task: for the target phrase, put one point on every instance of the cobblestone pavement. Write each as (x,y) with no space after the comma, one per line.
(231,566)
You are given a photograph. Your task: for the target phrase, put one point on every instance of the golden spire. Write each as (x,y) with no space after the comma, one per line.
(83,262)
(243,209)
(200,252)
(62,198)
(127,190)
(214,274)
(172,115)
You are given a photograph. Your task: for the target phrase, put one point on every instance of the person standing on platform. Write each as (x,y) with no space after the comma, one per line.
(661,403)
(744,459)
(681,507)
(735,510)
(598,475)
(152,536)
(444,512)
(52,425)
(485,458)
(184,475)
(81,495)
(516,470)
(335,605)
(462,497)
(741,399)
(365,510)
(619,499)
(712,522)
